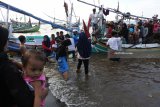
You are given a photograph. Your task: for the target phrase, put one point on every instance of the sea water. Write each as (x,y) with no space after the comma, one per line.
(128,83)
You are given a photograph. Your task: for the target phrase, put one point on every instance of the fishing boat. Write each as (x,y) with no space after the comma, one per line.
(27,29)
(19,27)
(33,42)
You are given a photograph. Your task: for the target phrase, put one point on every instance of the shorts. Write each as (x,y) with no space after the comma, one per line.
(62,65)
(94,26)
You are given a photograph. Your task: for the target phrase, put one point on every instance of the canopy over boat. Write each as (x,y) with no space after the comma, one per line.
(7,6)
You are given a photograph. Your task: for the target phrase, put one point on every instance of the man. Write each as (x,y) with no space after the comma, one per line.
(60,38)
(94,20)
(75,36)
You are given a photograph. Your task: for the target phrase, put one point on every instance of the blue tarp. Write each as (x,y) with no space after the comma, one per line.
(7,6)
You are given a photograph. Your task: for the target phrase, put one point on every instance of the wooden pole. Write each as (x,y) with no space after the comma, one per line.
(7,24)
(112,10)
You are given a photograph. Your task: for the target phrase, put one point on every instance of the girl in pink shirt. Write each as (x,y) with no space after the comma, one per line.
(33,64)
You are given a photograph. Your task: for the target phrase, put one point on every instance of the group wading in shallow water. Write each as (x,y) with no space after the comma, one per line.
(24,85)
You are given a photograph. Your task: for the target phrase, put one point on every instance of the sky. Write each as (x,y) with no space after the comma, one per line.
(55,8)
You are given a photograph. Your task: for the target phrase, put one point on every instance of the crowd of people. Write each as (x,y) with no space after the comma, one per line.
(24,84)
(62,45)
(140,32)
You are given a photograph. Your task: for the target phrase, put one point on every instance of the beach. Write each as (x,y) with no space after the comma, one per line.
(128,83)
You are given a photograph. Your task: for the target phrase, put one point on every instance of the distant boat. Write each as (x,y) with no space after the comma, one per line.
(20,27)
(32,42)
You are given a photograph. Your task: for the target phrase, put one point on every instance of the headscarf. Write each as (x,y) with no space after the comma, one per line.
(84,46)
(47,42)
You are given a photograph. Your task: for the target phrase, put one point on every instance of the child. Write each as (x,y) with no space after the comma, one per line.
(53,46)
(114,44)
(23,48)
(33,64)
(61,56)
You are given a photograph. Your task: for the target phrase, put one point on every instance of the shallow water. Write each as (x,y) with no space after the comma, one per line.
(129,83)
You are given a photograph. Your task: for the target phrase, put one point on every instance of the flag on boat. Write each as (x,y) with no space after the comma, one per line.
(89,23)
(86,30)
(66,8)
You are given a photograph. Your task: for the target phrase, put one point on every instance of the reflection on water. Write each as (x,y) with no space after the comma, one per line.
(129,83)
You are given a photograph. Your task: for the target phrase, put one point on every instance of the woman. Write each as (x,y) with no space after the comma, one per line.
(14,92)
(125,32)
(84,52)
(46,45)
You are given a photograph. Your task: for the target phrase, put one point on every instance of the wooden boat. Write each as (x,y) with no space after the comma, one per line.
(19,27)
(99,46)
(27,29)
(31,43)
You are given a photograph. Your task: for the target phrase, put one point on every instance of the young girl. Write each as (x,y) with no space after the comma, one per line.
(33,64)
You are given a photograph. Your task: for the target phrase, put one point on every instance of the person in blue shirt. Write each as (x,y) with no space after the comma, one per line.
(75,36)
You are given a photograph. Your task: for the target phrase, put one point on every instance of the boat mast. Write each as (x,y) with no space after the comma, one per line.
(70,17)
(117,12)
(2,14)
(73,11)
(7,24)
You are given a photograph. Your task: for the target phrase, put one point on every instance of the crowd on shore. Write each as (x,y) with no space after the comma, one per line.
(143,31)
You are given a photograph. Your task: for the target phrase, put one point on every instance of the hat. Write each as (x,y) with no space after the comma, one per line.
(75,30)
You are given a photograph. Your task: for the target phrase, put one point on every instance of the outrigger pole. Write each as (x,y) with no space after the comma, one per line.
(114,10)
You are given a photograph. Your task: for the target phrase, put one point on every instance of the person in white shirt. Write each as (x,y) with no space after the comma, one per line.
(94,20)
(71,48)
(114,44)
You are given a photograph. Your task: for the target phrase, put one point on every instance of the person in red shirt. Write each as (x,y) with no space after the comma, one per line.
(46,45)
(53,41)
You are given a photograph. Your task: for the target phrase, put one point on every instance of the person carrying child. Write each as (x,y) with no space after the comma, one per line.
(61,57)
